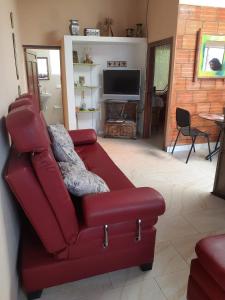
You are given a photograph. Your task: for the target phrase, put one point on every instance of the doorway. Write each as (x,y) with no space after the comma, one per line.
(157,92)
(46,66)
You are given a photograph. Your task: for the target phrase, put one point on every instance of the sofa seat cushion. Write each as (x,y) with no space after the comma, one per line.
(97,161)
(211,254)
(81,182)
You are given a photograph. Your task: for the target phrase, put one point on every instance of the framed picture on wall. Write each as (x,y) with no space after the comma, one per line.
(211,56)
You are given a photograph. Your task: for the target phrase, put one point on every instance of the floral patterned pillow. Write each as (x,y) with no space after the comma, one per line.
(66,154)
(59,135)
(81,182)
(63,147)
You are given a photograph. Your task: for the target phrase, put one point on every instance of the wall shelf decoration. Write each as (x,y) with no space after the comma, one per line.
(117,64)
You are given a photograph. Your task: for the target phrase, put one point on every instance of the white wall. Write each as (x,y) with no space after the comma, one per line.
(9,225)
(215,3)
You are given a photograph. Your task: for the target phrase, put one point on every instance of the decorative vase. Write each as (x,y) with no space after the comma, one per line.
(74,27)
(130,32)
(139,30)
(81,80)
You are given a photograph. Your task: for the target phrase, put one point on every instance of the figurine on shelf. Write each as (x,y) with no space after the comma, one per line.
(139,30)
(81,80)
(75,57)
(130,32)
(87,56)
(82,103)
(108,23)
(106,27)
(88,59)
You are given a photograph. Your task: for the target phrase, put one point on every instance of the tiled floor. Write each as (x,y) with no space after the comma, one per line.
(192,213)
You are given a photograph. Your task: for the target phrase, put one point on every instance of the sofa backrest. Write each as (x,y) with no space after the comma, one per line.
(23,183)
(20,102)
(29,135)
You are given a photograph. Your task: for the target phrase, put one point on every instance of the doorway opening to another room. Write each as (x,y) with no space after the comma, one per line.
(157,91)
(43,68)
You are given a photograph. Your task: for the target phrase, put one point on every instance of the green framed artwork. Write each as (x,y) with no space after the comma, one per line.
(211,60)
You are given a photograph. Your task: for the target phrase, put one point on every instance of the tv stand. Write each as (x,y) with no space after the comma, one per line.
(121,119)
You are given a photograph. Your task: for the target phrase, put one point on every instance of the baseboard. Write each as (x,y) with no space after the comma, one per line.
(187,147)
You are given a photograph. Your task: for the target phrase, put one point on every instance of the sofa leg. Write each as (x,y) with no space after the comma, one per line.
(146,267)
(34,295)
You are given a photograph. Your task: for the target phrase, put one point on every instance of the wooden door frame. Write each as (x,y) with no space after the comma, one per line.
(149,86)
(25,47)
(30,62)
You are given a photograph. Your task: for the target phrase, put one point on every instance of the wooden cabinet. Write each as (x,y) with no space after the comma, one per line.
(121,119)
(219,184)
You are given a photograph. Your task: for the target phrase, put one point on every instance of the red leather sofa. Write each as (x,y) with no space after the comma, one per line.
(65,238)
(207,276)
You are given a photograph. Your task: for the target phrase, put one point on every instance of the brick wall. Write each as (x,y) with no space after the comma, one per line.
(204,95)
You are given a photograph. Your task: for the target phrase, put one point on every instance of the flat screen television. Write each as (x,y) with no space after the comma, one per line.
(121,84)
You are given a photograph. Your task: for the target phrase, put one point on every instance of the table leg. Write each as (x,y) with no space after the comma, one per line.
(216,149)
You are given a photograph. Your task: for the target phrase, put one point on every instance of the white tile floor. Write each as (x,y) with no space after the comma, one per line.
(192,213)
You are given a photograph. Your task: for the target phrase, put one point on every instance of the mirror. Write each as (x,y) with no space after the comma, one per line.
(42,66)
(211,62)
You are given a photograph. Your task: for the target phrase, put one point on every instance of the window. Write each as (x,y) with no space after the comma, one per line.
(162,66)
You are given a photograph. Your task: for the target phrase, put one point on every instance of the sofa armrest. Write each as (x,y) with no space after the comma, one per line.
(211,255)
(83,136)
(122,206)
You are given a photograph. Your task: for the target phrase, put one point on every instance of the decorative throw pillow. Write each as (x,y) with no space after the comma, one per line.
(66,154)
(63,147)
(59,135)
(81,182)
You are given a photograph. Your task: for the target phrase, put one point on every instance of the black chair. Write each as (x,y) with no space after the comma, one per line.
(183,119)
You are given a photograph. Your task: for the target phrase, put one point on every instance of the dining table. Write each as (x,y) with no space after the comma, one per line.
(218,119)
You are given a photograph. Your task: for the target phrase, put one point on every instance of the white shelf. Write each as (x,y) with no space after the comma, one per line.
(103,49)
(104,39)
(87,111)
(84,87)
(85,65)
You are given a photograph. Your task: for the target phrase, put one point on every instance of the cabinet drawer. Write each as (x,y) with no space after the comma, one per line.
(120,130)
